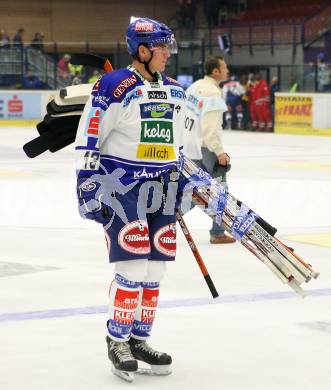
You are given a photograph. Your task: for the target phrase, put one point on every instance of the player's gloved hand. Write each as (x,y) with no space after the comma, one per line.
(91,205)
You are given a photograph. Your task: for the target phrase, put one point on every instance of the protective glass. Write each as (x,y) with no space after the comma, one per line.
(165,46)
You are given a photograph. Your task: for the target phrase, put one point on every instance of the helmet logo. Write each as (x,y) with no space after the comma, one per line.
(144,27)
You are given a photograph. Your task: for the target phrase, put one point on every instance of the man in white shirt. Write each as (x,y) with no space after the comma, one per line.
(203,124)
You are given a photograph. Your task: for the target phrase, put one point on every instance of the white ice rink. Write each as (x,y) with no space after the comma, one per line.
(258,335)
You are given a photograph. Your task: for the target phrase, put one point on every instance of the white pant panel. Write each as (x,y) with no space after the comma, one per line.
(133,270)
(155,271)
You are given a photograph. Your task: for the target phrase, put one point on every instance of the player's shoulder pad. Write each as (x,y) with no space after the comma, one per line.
(113,87)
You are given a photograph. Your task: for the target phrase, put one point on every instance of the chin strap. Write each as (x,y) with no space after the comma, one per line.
(146,65)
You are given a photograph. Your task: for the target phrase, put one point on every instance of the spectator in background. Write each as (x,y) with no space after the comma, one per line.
(95,76)
(77,78)
(274,88)
(323,75)
(37,42)
(203,124)
(31,81)
(63,68)
(181,14)
(76,71)
(18,39)
(260,95)
(190,14)
(294,86)
(4,39)
(250,103)
(211,10)
(232,94)
(245,101)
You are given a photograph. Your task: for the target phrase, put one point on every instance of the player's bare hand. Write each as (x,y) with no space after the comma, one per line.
(223,159)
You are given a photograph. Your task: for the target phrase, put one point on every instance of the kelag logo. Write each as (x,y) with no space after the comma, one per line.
(159,132)
(157,110)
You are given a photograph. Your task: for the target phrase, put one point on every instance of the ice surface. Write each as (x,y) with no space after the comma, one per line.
(258,335)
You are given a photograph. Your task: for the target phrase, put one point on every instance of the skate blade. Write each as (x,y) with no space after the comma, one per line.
(128,376)
(155,370)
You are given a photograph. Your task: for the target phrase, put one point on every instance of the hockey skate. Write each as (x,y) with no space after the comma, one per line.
(159,362)
(124,364)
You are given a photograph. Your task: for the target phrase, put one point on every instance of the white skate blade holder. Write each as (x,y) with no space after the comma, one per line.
(155,370)
(152,370)
(128,376)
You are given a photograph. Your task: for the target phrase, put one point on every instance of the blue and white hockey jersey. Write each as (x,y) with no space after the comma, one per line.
(131,123)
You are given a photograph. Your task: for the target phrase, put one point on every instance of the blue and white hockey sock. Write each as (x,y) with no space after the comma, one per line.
(145,313)
(123,302)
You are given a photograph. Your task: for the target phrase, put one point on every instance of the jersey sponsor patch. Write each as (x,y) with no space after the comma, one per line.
(195,101)
(165,240)
(134,238)
(93,121)
(155,152)
(123,85)
(101,101)
(156,131)
(126,299)
(157,110)
(177,93)
(146,174)
(135,94)
(157,95)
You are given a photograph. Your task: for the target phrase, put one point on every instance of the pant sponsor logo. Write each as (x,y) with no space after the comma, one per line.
(155,152)
(165,240)
(150,297)
(147,316)
(157,110)
(126,299)
(123,317)
(134,238)
(157,95)
(153,131)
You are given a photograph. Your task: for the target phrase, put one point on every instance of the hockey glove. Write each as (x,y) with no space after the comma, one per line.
(91,199)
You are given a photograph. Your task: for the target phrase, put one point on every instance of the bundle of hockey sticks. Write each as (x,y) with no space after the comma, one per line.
(246,226)
(58,129)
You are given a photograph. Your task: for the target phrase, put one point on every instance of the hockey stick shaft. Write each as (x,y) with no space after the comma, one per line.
(196,254)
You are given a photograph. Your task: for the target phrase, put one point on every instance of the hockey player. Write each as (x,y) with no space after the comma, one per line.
(128,138)
(260,95)
(232,93)
(203,124)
